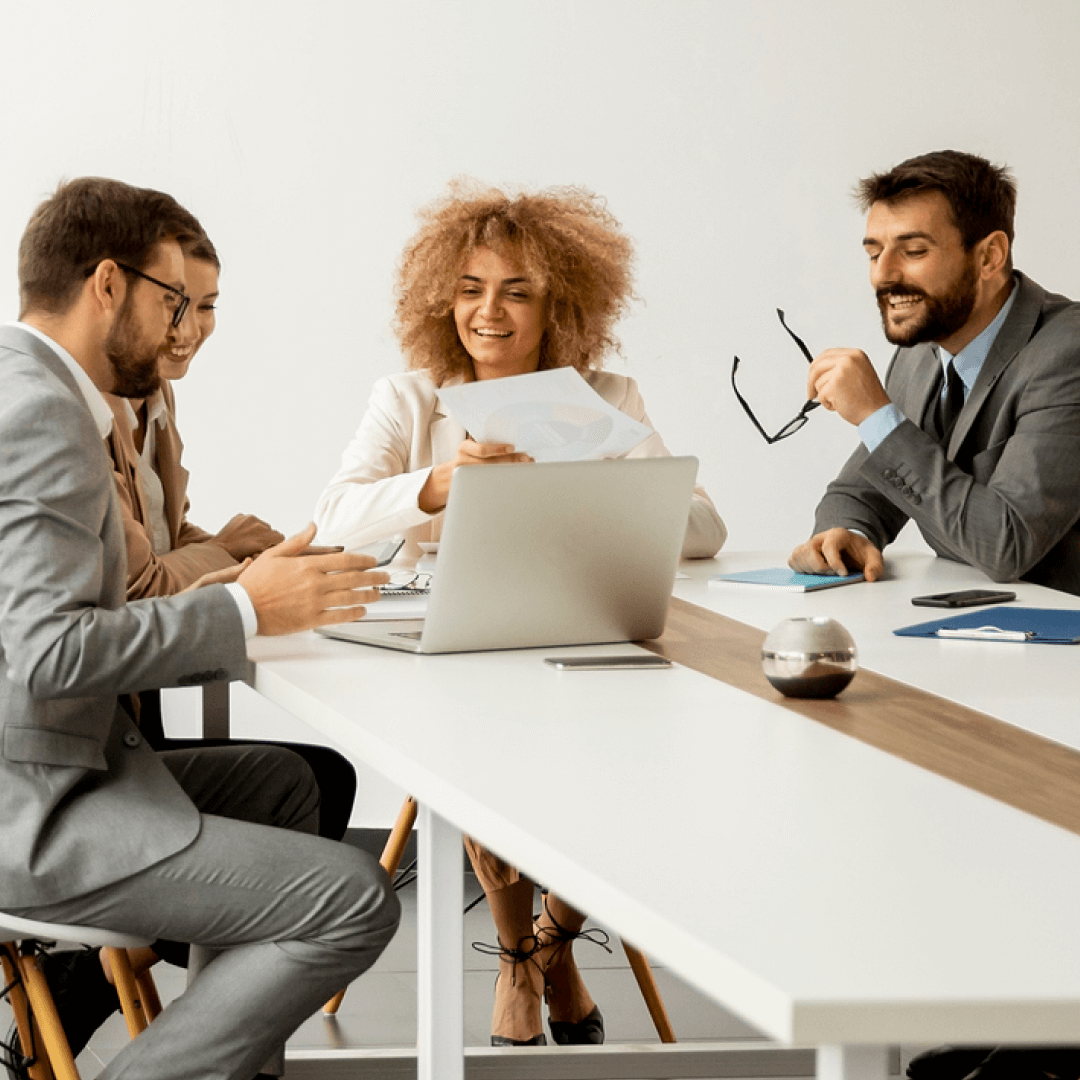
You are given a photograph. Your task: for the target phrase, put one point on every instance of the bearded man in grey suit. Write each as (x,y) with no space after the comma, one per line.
(94,827)
(976,433)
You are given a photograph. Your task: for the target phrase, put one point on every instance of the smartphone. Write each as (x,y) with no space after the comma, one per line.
(604,663)
(963,598)
(383,551)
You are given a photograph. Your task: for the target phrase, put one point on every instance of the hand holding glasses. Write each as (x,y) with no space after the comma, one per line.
(804,413)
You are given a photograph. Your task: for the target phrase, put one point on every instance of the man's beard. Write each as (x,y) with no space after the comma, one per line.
(134,360)
(942,316)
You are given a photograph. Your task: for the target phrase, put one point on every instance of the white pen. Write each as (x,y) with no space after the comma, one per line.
(986,633)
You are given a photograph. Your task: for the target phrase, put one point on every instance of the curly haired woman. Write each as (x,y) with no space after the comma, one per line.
(495,285)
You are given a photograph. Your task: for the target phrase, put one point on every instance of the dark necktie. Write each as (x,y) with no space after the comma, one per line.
(949,405)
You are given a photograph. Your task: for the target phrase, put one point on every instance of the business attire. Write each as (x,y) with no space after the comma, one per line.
(406,431)
(167,553)
(94,826)
(999,492)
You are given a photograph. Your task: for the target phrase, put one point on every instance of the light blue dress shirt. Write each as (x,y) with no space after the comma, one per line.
(968,363)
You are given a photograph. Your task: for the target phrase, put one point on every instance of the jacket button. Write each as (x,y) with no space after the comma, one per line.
(888,474)
(916,499)
(908,491)
(132,738)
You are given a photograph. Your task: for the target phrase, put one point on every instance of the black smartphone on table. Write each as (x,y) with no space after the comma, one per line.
(964,598)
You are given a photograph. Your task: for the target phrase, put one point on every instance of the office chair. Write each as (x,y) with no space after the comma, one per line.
(40,1032)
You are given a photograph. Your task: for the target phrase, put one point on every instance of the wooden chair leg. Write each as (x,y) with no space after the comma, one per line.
(29,1034)
(148,993)
(650,992)
(390,860)
(127,988)
(49,1032)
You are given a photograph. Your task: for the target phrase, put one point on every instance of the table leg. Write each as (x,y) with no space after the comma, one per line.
(440,1033)
(852,1063)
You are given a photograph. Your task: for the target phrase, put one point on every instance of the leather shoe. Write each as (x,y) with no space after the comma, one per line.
(536,1040)
(947,1062)
(1029,1063)
(588,1031)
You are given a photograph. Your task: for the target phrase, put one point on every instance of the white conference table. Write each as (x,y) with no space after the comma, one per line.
(829,893)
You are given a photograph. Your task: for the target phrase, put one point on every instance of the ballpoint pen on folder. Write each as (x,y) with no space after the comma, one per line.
(985,633)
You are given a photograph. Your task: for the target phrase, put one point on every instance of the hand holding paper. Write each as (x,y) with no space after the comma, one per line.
(550,415)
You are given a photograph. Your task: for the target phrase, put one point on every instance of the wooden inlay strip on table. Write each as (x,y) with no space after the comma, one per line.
(991,756)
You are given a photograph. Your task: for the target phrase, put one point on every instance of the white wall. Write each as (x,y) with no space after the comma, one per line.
(725,135)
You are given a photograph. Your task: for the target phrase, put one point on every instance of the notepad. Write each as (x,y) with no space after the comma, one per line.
(788,580)
(1037,626)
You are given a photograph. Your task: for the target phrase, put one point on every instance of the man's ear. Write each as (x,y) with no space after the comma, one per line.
(107,286)
(993,254)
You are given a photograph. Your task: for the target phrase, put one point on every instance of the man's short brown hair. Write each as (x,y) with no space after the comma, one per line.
(87,220)
(981,195)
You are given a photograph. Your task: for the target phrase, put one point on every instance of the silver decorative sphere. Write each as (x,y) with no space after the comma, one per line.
(811,658)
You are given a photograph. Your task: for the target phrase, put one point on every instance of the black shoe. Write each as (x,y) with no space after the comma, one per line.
(586,1032)
(84,998)
(947,1062)
(536,1040)
(1029,1063)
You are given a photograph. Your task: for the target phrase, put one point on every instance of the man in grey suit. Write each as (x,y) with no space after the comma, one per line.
(976,433)
(95,828)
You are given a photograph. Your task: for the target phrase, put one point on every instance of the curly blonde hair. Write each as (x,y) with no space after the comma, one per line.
(564,238)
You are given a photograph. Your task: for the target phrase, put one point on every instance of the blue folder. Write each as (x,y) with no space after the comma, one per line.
(1037,626)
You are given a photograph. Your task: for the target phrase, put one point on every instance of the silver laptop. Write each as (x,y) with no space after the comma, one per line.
(574,553)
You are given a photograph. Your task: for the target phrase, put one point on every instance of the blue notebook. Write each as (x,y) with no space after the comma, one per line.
(782,578)
(1037,626)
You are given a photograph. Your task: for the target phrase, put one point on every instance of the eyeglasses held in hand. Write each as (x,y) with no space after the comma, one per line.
(182,299)
(804,413)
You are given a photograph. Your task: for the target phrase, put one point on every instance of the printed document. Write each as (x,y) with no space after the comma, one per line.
(550,415)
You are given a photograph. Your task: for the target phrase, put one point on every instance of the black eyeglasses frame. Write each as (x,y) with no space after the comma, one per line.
(798,422)
(182,305)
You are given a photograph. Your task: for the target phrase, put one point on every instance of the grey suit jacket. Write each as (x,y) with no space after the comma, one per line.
(83,800)
(1004,495)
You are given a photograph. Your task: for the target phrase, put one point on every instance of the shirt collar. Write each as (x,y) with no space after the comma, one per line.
(155,410)
(97,405)
(970,359)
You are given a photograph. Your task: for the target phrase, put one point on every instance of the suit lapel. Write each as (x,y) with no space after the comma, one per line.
(1012,337)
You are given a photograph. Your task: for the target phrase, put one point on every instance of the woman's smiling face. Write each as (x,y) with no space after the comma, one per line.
(500,314)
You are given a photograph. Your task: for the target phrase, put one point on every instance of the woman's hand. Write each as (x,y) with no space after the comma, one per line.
(436,489)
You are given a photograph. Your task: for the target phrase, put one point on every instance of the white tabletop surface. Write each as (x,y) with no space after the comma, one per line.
(822,889)
(1031,686)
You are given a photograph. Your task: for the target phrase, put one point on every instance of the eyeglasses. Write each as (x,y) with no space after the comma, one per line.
(804,413)
(407,583)
(181,303)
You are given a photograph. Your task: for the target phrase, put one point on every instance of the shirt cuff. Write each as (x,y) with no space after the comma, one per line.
(878,425)
(247,609)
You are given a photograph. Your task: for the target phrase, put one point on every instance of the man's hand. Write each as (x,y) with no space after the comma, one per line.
(844,381)
(837,551)
(246,535)
(292,591)
(436,489)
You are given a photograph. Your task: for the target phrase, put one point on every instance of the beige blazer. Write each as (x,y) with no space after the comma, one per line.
(194,551)
(405,432)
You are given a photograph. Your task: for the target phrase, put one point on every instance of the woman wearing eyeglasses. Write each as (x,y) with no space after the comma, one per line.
(495,285)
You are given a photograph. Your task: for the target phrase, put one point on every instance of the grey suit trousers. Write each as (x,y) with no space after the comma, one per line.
(280,918)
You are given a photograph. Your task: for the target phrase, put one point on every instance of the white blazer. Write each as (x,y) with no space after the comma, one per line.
(405,431)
